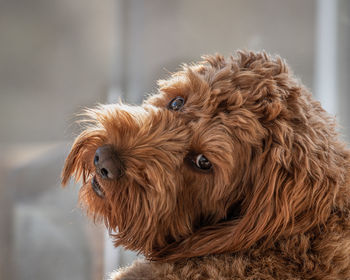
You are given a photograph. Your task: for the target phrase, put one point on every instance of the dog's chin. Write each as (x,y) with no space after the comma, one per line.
(96,187)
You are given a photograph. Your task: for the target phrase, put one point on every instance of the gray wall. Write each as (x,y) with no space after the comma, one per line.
(55,58)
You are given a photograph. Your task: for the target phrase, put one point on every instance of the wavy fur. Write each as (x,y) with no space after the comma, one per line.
(276,202)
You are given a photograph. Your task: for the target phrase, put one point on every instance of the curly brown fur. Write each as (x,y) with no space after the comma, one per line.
(275,203)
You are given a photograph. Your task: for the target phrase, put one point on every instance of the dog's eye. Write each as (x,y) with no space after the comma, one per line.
(202,162)
(176,103)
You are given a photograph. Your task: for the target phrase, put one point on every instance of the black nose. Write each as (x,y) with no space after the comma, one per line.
(108,164)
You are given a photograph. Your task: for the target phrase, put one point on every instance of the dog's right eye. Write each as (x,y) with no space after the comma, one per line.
(176,104)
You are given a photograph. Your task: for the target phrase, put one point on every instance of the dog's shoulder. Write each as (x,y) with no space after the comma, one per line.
(209,267)
(138,270)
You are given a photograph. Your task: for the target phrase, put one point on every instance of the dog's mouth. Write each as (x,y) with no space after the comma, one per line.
(97,187)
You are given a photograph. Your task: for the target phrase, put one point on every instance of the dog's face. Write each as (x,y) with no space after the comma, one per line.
(226,154)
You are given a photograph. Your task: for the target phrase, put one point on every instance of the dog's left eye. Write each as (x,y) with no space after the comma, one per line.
(202,162)
(176,104)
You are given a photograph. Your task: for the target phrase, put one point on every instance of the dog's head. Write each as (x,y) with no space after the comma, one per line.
(229,152)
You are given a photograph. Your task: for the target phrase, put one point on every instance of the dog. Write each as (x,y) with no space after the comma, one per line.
(231,171)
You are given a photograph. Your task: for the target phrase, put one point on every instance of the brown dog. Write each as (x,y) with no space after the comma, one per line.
(230,171)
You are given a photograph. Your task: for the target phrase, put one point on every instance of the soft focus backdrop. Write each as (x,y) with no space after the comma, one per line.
(59,56)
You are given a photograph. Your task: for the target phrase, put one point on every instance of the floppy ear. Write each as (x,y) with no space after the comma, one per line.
(294,185)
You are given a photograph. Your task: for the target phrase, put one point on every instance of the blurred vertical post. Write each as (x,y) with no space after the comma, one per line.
(326,55)
(128,65)
(117,79)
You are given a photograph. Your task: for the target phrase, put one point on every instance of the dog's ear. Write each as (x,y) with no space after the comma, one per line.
(294,186)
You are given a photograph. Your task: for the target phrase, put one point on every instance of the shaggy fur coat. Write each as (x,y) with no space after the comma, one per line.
(231,171)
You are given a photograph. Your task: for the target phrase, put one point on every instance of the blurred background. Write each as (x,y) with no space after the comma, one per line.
(59,56)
